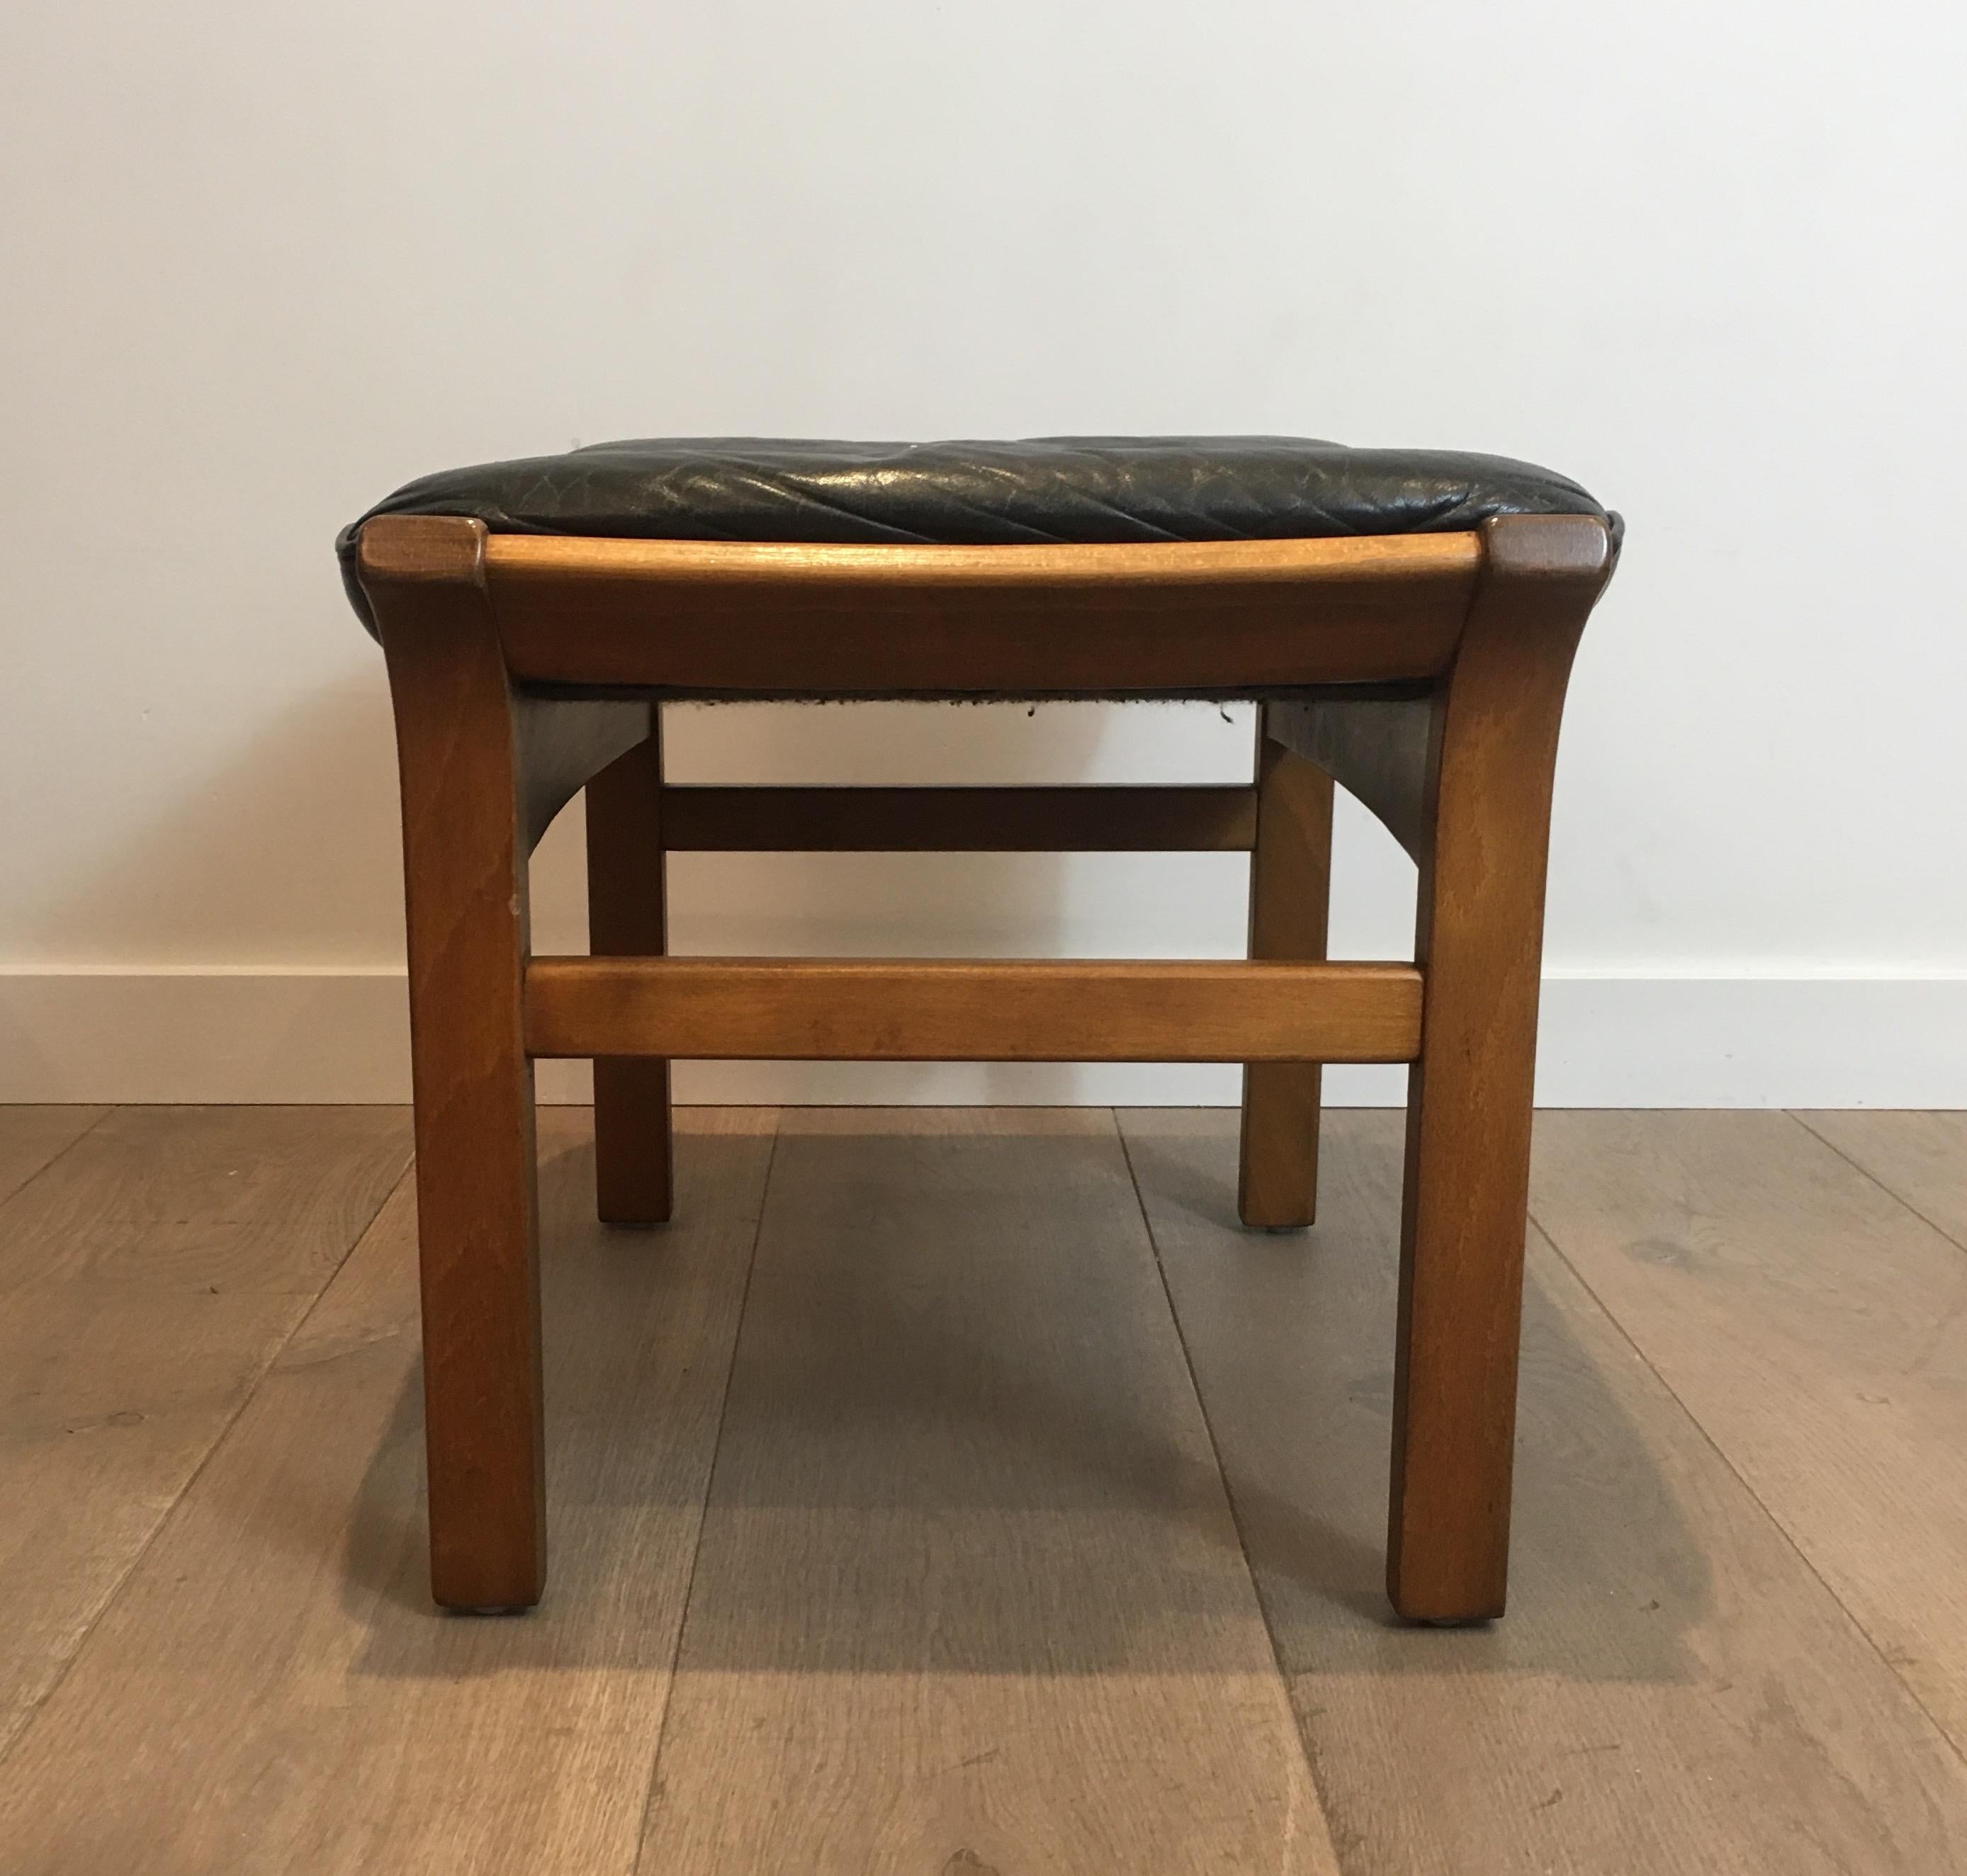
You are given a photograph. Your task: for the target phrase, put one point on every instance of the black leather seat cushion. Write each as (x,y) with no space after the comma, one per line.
(1049,489)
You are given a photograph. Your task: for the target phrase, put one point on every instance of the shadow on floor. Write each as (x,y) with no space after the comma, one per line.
(960,1434)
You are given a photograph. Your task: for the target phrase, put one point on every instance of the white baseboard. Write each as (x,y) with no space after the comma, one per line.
(286,1035)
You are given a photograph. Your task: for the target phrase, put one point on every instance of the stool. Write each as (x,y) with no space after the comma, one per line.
(1405,621)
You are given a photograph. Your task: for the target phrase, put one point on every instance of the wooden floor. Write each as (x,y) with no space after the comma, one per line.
(948,1493)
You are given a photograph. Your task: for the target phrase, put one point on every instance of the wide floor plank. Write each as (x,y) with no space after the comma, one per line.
(273,1690)
(969,1598)
(1920,1157)
(146,1278)
(31,1137)
(1673,1689)
(1815,1327)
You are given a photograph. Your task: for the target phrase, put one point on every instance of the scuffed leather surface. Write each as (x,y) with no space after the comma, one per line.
(1045,490)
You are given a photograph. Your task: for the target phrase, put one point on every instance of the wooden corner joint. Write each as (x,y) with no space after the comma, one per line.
(1570,547)
(398,550)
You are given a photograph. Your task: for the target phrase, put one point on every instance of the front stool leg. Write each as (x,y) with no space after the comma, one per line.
(1291,884)
(626,918)
(1479,943)
(465,846)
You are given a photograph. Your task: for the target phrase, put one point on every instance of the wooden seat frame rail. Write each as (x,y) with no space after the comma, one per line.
(524,669)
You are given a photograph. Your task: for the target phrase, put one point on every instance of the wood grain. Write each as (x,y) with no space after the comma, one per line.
(627,817)
(466,838)
(1153,618)
(1478,940)
(968,1514)
(483,768)
(917,1009)
(146,1278)
(272,1693)
(525,560)
(1083,820)
(1674,1690)
(968,1598)
(1919,1157)
(1290,892)
(31,1138)
(1815,1327)
(426,570)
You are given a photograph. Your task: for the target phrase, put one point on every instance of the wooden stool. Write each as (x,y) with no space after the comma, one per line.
(1407,622)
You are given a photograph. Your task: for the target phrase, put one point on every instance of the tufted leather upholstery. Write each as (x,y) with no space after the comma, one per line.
(1048,489)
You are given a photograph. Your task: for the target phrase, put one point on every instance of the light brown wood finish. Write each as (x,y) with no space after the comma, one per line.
(941,1009)
(1291,886)
(482,769)
(753,618)
(32,1138)
(558,741)
(271,1695)
(627,818)
(1493,620)
(960,820)
(1675,1690)
(146,1278)
(1815,1326)
(1920,1158)
(1479,943)
(465,844)
(1143,567)
(968,1598)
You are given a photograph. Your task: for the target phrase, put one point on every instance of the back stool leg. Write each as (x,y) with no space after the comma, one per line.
(626,917)
(1291,878)
(1479,943)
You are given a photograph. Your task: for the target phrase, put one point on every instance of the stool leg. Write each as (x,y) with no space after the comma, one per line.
(626,918)
(1479,943)
(464,855)
(1291,878)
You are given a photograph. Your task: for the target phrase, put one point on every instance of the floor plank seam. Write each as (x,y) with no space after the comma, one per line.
(1310,1758)
(1898,1198)
(55,1158)
(649,1791)
(966,1604)
(1789,1536)
(197,1472)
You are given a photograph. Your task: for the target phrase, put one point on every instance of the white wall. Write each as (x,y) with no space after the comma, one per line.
(262,262)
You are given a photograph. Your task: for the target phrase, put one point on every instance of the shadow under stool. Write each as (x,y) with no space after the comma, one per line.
(1405,619)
